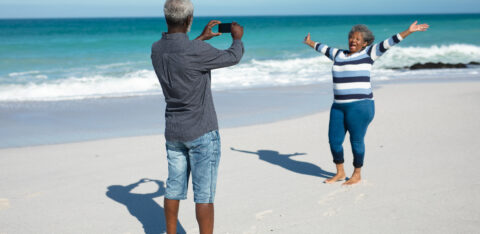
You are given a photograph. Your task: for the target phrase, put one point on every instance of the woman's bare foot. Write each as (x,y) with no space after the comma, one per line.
(356,177)
(338,177)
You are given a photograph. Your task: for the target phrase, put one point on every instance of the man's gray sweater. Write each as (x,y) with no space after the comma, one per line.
(183,68)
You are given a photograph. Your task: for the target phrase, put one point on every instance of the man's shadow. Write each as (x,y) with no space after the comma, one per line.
(142,206)
(285,161)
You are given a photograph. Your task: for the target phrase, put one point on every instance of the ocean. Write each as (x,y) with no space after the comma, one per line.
(67,59)
(64,80)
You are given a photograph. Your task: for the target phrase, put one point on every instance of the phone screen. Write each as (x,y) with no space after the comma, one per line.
(225,28)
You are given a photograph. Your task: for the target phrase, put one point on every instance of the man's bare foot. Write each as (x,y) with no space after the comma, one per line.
(356,177)
(338,177)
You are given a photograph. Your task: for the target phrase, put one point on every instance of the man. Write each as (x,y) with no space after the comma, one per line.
(191,131)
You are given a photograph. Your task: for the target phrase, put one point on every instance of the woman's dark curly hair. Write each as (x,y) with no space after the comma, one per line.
(368,36)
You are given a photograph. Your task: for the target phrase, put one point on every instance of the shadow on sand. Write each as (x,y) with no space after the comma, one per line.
(285,161)
(142,206)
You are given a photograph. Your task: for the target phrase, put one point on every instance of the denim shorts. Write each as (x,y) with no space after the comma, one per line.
(199,157)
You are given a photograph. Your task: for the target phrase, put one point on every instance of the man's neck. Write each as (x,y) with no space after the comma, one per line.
(177,30)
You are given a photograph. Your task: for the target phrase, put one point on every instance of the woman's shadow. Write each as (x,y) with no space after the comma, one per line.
(285,161)
(142,206)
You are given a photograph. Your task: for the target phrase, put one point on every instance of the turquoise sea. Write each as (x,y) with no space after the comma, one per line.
(66,80)
(65,59)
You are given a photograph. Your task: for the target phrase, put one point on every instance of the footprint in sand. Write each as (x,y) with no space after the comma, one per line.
(4,204)
(331,196)
(193,230)
(359,197)
(252,230)
(331,212)
(325,200)
(260,215)
(33,195)
(364,183)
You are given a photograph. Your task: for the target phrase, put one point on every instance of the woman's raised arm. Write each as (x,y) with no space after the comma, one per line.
(322,48)
(379,49)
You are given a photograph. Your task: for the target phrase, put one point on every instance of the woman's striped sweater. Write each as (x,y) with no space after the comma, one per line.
(351,74)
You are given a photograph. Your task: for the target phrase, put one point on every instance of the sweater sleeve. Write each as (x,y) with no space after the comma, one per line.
(326,50)
(379,49)
(209,58)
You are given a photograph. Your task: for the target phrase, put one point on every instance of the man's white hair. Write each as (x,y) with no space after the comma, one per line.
(177,11)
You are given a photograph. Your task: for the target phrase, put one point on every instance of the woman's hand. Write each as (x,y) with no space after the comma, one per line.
(418,27)
(414,28)
(207,33)
(308,41)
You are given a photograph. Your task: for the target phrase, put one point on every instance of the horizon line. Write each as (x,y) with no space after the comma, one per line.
(253,15)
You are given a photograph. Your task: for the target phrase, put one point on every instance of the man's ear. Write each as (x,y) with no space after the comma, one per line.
(189,20)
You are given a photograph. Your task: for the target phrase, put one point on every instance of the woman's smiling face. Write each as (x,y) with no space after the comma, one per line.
(356,42)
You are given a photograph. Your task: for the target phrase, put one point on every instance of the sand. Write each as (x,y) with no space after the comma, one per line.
(420,175)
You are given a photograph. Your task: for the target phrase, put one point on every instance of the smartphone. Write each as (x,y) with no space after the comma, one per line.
(225,28)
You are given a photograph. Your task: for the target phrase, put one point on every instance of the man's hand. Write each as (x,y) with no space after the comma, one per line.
(207,33)
(237,31)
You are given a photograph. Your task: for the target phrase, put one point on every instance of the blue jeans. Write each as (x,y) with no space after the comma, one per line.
(199,157)
(353,117)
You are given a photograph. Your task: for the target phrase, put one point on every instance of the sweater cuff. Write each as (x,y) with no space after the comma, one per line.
(400,38)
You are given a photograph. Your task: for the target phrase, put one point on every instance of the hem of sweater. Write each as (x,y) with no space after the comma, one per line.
(351,100)
(186,138)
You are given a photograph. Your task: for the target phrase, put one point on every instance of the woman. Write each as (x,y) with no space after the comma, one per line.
(353,108)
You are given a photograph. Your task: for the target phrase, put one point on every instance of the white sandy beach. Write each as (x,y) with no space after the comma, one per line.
(420,175)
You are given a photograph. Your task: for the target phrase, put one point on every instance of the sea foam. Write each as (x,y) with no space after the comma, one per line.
(248,74)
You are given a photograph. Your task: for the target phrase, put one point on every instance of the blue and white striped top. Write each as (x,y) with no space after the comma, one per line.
(351,74)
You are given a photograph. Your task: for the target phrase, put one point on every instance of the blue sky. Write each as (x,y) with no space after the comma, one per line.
(118,8)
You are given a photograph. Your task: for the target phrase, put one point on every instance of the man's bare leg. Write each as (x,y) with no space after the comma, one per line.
(356,177)
(205,217)
(339,176)
(171,214)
